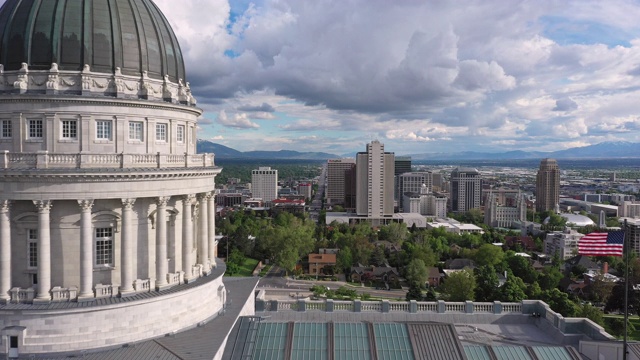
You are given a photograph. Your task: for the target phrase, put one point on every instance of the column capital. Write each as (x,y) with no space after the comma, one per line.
(43,205)
(85,205)
(205,196)
(128,203)
(162,201)
(5,205)
(189,199)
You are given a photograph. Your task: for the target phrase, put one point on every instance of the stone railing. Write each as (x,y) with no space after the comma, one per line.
(105,291)
(175,278)
(197,271)
(92,84)
(60,294)
(143,285)
(533,310)
(22,296)
(46,160)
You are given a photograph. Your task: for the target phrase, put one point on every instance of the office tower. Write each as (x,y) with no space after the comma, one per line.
(105,203)
(264,184)
(412,182)
(504,209)
(336,179)
(350,189)
(374,181)
(466,185)
(547,185)
(402,165)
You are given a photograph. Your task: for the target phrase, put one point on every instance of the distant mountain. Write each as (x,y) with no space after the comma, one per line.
(224,152)
(604,150)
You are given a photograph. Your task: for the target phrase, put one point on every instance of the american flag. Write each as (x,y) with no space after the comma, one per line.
(602,244)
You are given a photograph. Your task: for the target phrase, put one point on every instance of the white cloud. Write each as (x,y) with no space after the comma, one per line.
(237,121)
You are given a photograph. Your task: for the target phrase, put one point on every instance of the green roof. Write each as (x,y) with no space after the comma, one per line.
(351,341)
(309,341)
(551,353)
(392,341)
(271,341)
(477,352)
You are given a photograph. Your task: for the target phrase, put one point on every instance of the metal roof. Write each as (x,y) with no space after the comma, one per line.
(309,341)
(477,352)
(392,341)
(511,352)
(351,341)
(435,341)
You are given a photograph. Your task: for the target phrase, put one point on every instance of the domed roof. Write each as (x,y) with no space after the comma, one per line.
(132,35)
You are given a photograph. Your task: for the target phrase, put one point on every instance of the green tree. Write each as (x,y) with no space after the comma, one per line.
(592,313)
(550,278)
(344,259)
(459,286)
(559,302)
(489,254)
(416,273)
(522,268)
(377,256)
(414,293)
(513,289)
(486,283)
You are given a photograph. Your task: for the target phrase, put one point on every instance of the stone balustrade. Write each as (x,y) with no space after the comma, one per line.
(60,294)
(175,278)
(22,296)
(197,271)
(106,291)
(46,160)
(144,285)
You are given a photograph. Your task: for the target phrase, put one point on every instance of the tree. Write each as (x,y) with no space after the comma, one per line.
(344,260)
(377,256)
(522,268)
(489,254)
(459,286)
(592,313)
(513,289)
(486,283)
(414,293)
(550,278)
(559,302)
(601,289)
(416,273)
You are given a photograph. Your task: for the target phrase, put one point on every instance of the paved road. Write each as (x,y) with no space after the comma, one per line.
(275,282)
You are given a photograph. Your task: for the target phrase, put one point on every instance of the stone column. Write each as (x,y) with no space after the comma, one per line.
(212,229)
(126,256)
(187,237)
(86,250)
(203,234)
(161,242)
(44,251)
(5,251)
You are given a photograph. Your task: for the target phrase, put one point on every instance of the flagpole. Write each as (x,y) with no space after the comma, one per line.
(626,289)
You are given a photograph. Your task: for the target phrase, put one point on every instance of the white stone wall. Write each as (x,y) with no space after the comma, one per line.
(102,326)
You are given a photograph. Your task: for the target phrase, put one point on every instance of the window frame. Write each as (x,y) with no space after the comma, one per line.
(35,129)
(180,132)
(161,132)
(7,128)
(136,128)
(101,129)
(32,248)
(72,129)
(103,247)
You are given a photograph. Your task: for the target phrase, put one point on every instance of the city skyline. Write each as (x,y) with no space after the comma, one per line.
(419,77)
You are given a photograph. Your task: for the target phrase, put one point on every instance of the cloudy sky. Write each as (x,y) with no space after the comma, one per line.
(420,76)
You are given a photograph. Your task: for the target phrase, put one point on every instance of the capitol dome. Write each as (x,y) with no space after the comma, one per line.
(107,211)
(131,35)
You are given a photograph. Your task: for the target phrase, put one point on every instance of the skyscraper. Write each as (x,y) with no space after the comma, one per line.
(547,185)
(374,181)
(466,187)
(264,184)
(412,182)
(336,169)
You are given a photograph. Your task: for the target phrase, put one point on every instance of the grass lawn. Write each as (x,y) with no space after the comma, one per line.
(633,320)
(246,269)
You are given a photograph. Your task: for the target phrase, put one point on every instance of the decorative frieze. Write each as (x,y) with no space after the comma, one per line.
(88,83)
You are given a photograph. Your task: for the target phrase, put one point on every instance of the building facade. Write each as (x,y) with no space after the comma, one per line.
(374,182)
(412,182)
(466,185)
(547,185)
(563,243)
(425,203)
(103,195)
(264,184)
(335,189)
(508,213)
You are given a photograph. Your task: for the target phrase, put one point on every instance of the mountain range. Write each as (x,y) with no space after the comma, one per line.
(604,150)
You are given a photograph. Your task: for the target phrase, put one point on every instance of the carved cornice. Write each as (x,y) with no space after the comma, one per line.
(127,204)
(48,176)
(43,205)
(85,205)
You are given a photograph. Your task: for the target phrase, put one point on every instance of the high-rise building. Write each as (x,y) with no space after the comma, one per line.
(336,168)
(502,210)
(104,203)
(402,165)
(466,185)
(547,185)
(412,182)
(374,181)
(264,184)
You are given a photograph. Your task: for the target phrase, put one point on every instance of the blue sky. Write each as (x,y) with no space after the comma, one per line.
(420,76)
